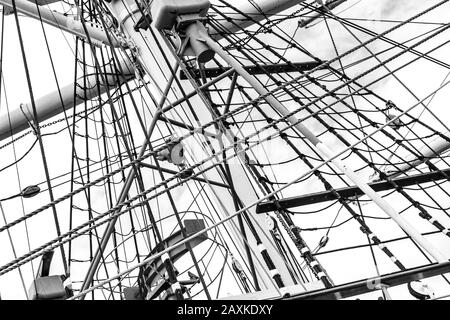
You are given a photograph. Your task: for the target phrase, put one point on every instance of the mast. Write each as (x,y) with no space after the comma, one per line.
(212,90)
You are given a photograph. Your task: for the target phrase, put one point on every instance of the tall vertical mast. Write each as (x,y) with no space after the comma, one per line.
(128,15)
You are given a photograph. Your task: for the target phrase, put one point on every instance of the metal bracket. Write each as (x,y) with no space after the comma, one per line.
(184,20)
